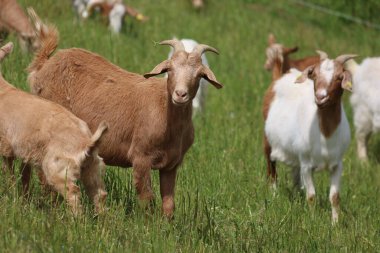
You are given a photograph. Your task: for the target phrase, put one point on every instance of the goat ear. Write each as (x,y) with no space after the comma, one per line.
(209,76)
(305,74)
(159,69)
(347,81)
(290,50)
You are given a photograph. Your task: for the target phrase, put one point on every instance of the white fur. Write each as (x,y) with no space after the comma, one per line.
(116,17)
(365,100)
(199,100)
(327,70)
(292,129)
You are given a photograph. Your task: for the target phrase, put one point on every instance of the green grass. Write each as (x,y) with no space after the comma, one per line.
(222,197)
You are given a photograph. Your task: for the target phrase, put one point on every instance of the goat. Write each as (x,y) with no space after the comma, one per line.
(199,100)
(47,135)
(365,101)
(13,19)
(114,10)
(306,126)
(150,119)
(277,52)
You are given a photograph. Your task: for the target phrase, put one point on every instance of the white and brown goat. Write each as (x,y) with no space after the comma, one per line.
(306,126)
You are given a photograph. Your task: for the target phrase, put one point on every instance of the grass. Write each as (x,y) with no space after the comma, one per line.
(222,197)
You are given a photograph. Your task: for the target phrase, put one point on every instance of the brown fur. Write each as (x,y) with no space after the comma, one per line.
(48,136)
(287,62)
(329,113)
(268,98)
(147,130)
(13,19)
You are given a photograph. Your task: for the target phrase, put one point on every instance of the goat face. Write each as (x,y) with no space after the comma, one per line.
(184,72)
(330,78)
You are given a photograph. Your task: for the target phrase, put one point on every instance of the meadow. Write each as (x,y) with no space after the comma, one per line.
(223,202)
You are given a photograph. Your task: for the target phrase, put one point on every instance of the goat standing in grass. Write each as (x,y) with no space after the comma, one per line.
(150,119)
(306,126)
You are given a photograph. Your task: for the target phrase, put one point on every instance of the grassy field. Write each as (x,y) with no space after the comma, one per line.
(223,201)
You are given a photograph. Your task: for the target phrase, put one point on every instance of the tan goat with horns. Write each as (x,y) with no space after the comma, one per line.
(150,119)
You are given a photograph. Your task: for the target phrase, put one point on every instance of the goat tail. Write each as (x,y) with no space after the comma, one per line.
(97,136)
(5,50)
(48,37)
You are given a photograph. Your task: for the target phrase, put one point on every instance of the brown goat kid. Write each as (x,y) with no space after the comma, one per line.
(150,119)
(13,19)
(278,53)
(48,136)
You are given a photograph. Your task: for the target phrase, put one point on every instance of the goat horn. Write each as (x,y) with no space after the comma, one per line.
(201,48)
(176,44)
(322,55)
(345,57)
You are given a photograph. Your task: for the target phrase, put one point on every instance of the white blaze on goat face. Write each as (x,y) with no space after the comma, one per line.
(327,70)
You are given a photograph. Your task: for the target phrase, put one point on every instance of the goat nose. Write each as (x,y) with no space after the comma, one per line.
(321,94)
(181,93)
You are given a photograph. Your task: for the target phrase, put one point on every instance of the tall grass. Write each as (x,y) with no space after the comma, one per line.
(223,201)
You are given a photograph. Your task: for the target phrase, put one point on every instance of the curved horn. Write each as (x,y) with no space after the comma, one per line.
(323,56)
(201,48)
(176,44)
(345,57)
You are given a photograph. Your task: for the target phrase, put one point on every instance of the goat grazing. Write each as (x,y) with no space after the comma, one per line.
(114,10)
(306,126)
(365,101)
(150,119)
(277,52)
(13,19)
(47,135)
(199,100)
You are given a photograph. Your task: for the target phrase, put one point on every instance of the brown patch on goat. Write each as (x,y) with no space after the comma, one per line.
(268,99)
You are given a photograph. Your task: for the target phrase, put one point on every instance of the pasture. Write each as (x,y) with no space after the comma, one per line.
(223,202)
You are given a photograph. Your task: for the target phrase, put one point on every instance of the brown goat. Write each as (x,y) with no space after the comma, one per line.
(13,19)
(150,119)
(277,52)
(46,135)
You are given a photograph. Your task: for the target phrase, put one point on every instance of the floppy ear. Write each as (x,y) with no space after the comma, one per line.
(290,50)
(209,76)
(305,75)
(159,69)
(347,81)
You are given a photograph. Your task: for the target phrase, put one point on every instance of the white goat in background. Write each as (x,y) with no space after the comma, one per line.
(365,101)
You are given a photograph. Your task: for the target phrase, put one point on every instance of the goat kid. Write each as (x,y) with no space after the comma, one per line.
(48,136)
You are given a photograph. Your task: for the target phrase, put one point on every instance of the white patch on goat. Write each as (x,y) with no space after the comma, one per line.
(327,70)
(321,92)
(116,17)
